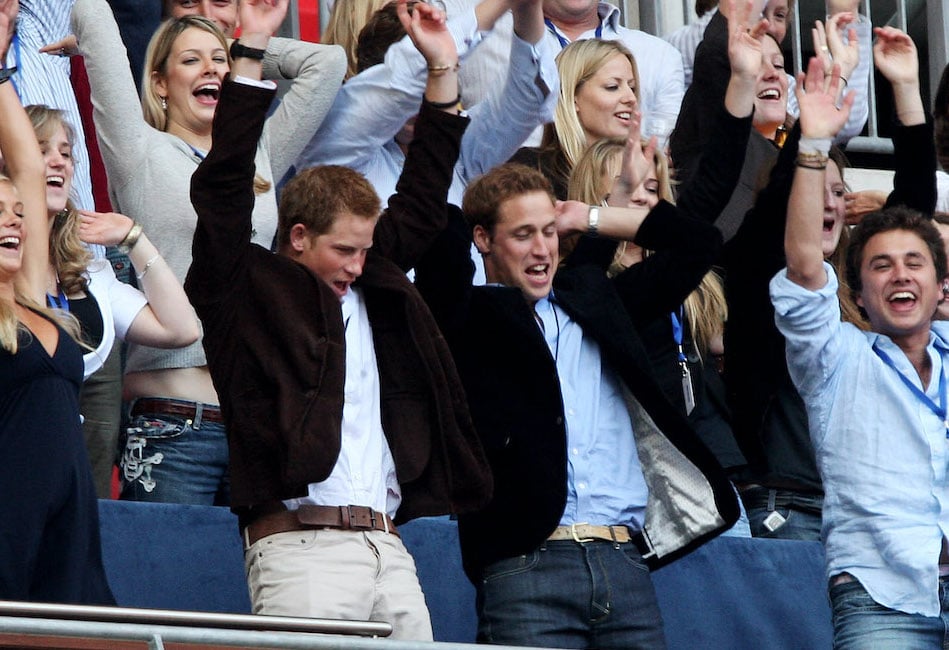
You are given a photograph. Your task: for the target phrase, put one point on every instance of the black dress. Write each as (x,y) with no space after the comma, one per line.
(49,522)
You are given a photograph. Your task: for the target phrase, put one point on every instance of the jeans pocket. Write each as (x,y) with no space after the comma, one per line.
(510,566)
(137,458)
(849,597)
(632,556)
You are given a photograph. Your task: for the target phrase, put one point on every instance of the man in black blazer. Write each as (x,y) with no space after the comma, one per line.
(596,473)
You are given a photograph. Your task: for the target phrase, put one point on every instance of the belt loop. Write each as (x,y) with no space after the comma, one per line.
(246,536)
(198,412)
(385,520)
(772,494)
(613,535)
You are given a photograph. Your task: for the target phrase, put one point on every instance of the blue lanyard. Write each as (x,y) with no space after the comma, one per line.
(18,63)
(563,41)
(197,154)
(677,333)
(59,301)
(938,409)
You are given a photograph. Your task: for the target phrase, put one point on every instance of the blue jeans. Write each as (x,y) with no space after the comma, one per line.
(173,459)
(860,623)
(801,513)
(571,595)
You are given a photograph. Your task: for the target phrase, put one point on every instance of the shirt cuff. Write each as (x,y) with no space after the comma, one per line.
(266,84)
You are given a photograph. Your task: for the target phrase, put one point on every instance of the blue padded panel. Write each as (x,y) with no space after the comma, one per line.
(433,541)
(171,556)
(730,594)
(740,593)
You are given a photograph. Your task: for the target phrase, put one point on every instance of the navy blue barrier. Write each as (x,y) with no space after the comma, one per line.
(731,594)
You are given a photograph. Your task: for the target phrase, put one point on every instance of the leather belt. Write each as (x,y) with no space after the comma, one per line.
(586,533)
(177,407)
(308,517)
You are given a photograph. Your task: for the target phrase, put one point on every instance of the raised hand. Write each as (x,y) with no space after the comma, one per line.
(830,48)
(744,43)
(426,26)
(261,17)
(105,228)
(8,12)
(636,164)
(817,98)
(894,54)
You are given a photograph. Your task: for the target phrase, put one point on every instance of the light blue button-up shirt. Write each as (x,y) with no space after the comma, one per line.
(605,483)
(881,451)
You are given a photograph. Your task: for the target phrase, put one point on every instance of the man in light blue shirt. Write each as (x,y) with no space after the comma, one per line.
(876,400)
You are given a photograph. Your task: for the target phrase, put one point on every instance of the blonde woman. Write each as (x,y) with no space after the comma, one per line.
(158,315)
(598,82)
(176,446)
(50,537)
(684,344)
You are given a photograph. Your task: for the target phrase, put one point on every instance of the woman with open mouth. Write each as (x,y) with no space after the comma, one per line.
(176,447)
(49,543)
(158,315)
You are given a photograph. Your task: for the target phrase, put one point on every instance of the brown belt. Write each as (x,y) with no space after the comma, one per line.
(588,533)
(309,517)
(176,407)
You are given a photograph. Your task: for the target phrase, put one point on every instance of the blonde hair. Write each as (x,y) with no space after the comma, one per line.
(347,18)
(705,308)
(10,325)
(67,253)
(577,63)
(156,63)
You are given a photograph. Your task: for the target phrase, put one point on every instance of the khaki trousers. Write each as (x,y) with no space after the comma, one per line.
(338,574)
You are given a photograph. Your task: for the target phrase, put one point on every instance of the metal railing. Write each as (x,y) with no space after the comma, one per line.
(42,625)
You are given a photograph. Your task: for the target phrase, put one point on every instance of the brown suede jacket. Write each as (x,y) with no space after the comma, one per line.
(274,336)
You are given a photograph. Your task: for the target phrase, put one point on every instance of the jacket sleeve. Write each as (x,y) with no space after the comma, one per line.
(222,191)
(685,250)
(417,210)
(316,72)
(706,194)
(914,181)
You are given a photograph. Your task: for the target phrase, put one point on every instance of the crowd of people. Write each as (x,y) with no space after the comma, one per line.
(463,264)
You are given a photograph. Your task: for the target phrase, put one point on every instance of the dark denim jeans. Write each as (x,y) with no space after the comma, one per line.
(571,595)
(172,459)
(801,513)
(862,624)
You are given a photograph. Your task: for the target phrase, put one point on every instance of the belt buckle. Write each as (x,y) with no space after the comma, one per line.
(357,526)
(576,536)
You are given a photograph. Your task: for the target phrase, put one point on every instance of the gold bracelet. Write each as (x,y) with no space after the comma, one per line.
(811,165)
(128,243)
(816,158)
(439,70)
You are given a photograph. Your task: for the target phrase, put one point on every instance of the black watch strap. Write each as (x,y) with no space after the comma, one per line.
(239,51)
(6,73)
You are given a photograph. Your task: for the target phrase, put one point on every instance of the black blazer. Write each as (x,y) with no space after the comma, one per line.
(514,392)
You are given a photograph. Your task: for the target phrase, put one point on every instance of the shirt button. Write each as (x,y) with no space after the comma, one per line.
(571,412)
(575,451)
(559,420)
(582,485)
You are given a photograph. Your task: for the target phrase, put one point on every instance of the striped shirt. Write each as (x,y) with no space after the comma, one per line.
(44,79)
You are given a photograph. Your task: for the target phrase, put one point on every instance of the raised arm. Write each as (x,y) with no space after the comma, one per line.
(511,112)
(24,164)
(167,320)
(914,183)
(820,122)
(719,167)
(373,106)
(121,129)
(417,212)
